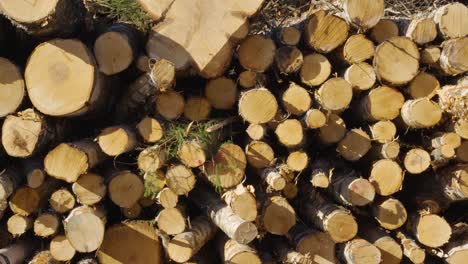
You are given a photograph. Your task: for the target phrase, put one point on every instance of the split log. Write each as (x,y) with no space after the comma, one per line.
(453,56)
(390,213)
(61,249)
(170,105)
(288,60)
(232,251)
(386,176)
(258,106)
(290,133)
(26,201)
(296,100)
(430,55)
(125,188)
(197,109)
(62,201)
(314,119)
(10,179)
(184,246)
(349,189)
(453,181)
(422,30)
(333,131)
(13,88)
(139,240)
(396,60)
(18,253)
(384,30)
(421,113)
(259,154)
(256,53)
(356,49)
(44,18)
(89,189)
(117,140)
(180,179)
(68,161)
(163,75)
(256,131)
(363,14)
(390,250)
(151,159)
(46,225)
(358,251)
(150,130)
(172,221)
(132,212)
(167,198)
(18,225)
(297,160)
(315,69)
(334,95)
(84,228)
(222,215)
(325,32)
(242,201)
(321,173)
(451,19)
(116,48)
(192,154)
(289,36)
(273,209)
(381,103)
(70,67)
(430,229)
(227,167)
(423,85)
(417,160)
(34,171)
(313,243)
(383,131)
(221,93)
(361,76)
(355,145)
(286,254)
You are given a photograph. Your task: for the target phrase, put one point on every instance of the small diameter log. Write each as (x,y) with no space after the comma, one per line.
(355,145)
(180,179)
(460,126)
(390,213)
(290,191)
(249,79)
(417,160)
(358,251)
(222,93)
(454,181)
(117,140)
(167,198)
(290,133)
(338,222)
(296,100)
(454,55)
(197,109)
(46,225)
(441,156)
(313,243)
(191,154)
(259,154)
(315,69)
(151,159)
(363,14)
(286,254)
(277,215)
(333,131)
(150,130)
(314,119)
(170,104)
(89,189)
(421,113)
(321,173)
(349,189)
(430,55)
(184,246)
(389,150)
(356,49)
(440,139)
(222,215)
(383,131)
(381,103)
(227,167)
(256,131)
(361,76)
(171,221)
(125,189)
(12,87)
(232,251)
(384,30)
(70,67)
(18,252)
(61,249)
(423,85)
(62,201)
(430,229)
(422,30)
(242,201)
(386,176)
(288,60)
(26,201)
(34,171)
(297,160)
(162,74)
(289,36)
(256,53)
(10,179)
(131,242)
(390,250)
(258,106)
(116,48)
(325,32)
(132,212)
(396,60)
(84,228)
(68,161)
(451,19)
(18,225)
(334,95)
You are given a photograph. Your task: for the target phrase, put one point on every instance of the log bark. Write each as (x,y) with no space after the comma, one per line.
(117,140)
(456,250)
(222,93)
(139,95)
(317,27)
(390,213)
(46,225)
(13,87)
(449,18)
(452,99)
(125,188)
(363,14)
(84,228)
(10,179)
(61,249)
(453,181)
(258,106)
(286,254)
(89,189)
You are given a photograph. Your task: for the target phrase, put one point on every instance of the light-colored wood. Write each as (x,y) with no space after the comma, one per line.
(256,53)
(256,131)
(26,201)
(62,201)
(273,179)
(185,245)
(389,150)
(61,249)
(191,154)
(258,106)
(421,113)
(325,32)
(316,244)
(248,79)
(171,221)
(361,76)
(18,224)
(363,14)
(125,189)
(452,99)
(461,128)
(286,254)
(290,133)
(197,109)
(452,20)
(46,225)
(89,189)
(382,103)
(453,57)
(221,93)
(422,30)
(84,228)
(288,60)
(297,160)
(359,251)
(151,158)
(259,154)
(462,151)
(296,100)
(430,230)
(290,36)
(390,250)
(333,131)
(441,156)
(167,198)
(396,60)
(321,174)
(383,30)
(383,131)
(43,257)
(68,161)
(234,252)
(227,167)
(132,212)
(334,95)
(356,49)
(349,189)
(163,75)
(315,69)
(117,140)
(131,242)
(10,179)
(170,104)
(150,130)
(453,180)
(390,213)
(451,139)
(242,201)
(180,179)
(355,144)
(12,89)
(387,177)
(417,160)
(423,85)
(153,9)
(430,55)
(314,119)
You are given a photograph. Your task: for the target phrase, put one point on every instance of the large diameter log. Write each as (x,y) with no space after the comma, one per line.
(256,53)
(383,30)
(17,253)
(26,201)
(325,32)
(334,95)
(185,245)
(390,250)
(421,113)
(361,76)
(316,244)
(43,18)
(422,30)
(359,251)
(89,189)
(453,56)
(396,60)
(61,249)
(277,216)
(130,242)
(46,225)
(390,213)
(222,215)
(11,86)
(387,177)
(232,251)
(57,67)
(363,14)
(242,201)
(125,189)
(430,229)
(452,20)
(62,201)
(315,69)
(258,106)
(381,103)
(68,161)
(10,179)
(454,181)
(117,140)
(84,228)
(355,145)
(221,93)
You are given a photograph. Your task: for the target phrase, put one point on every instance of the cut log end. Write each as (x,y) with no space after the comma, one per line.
(163,75)
(12,87)
(256,131)
(290,36)
(125,189)
(227,167)
(417,160)
(114,51)
(171,221)
(297,160)
(296,100)
(449,18)
(25,201)
(354,145)
(325,32)
(361,76)
(288,59)
(341,226)
(383,131)
(62,201)
(423,85)
(422,31)
(256,53)
(259,154)
(361,251)
(384,30)
(191,154)
(315,69)
(453,57)
(315,118)
(258,106)
(150,130)
(65,162)
(197,109)
(18,225)
(432,230)
(35,178)
(180,179)
(151,159)
(421,113)
(357,48)
(382,103)
(363,14)
(333,131)
(89,189)
(170,105)
(46,225)
(334,95)
(84,229)
(390,213)
(360,192)
(117,140)
(221,93)
(430,55)
(61,249)
(290,133)
(386,176)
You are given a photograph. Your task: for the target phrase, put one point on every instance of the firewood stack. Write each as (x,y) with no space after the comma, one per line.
(338,138)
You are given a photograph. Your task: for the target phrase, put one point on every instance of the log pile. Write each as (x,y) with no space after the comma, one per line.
(341,137)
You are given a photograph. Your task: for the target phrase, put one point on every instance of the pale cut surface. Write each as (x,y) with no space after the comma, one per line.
(180,179)
(170,105)
(364,13)
(89,189)
(319,246)
(18,225)
(62,201)
(171,221)
(116,140)
(386,176)
(258,106)
(396,60)
(422,31)
(46,225)
(390,213)
(66,163)
(315,69)
(335,94)
(22,132)
(278,216)
(150,130)
(113,52)
(84,231)
(361,76)
(453,58)
(60,77)
(297,160)
(151,159)
(417,160)
(452,20)
(245,206)
(11,86)
(423,85)
(354,145)
(421,113)
(360,192)
(167,198)
(315,118)
(227,166)
(256,131)
(333,131)
(461,128)
(459,256)
(221,93)
(383,103)
(26,11)
(125,189)
(383,131)
(290,36)
(197,109)
(433,230)
(296,100)
(256,53)
(430,55)
(61,249)
(290,133)
(359,251)
(341,226)
(385,29)
(325,32)
(259,154)
(358,48)
(390,250)
(191,154)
